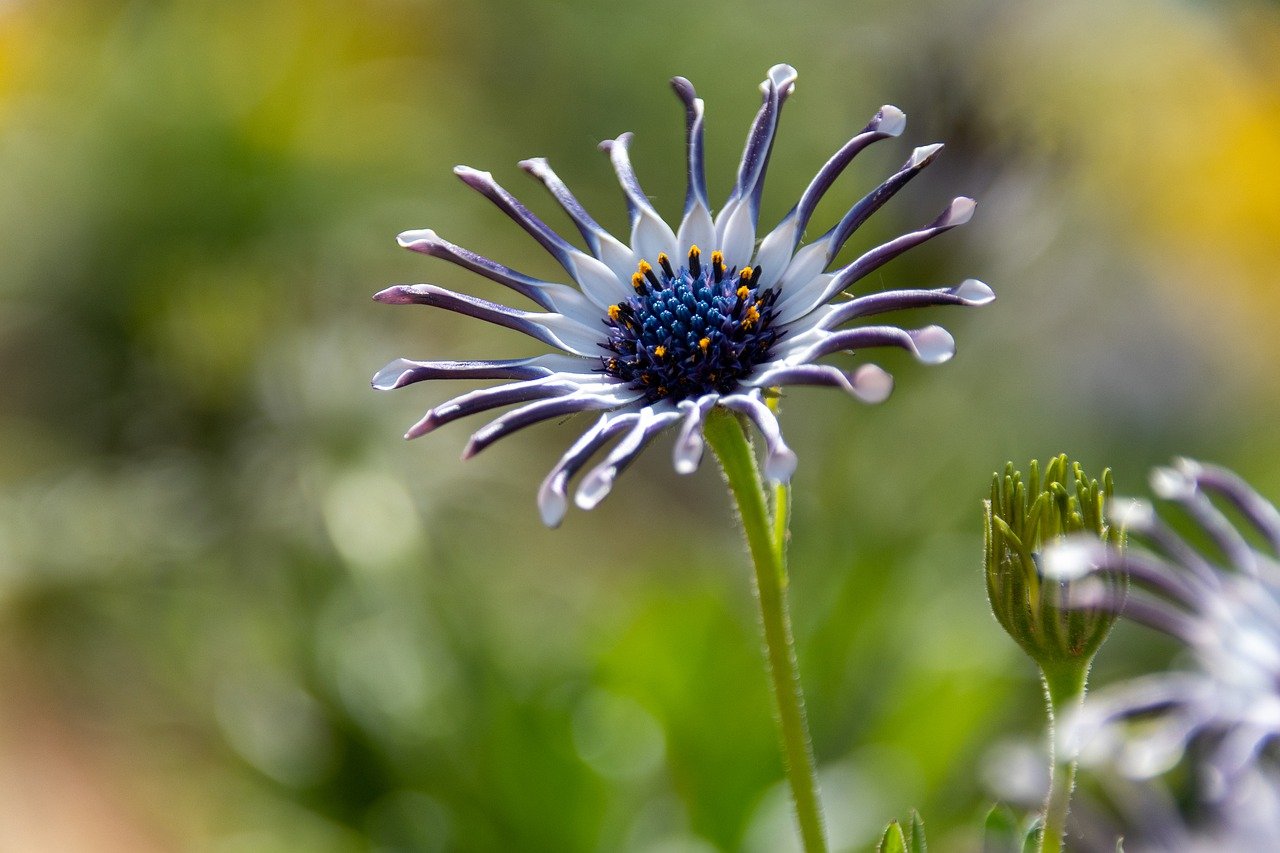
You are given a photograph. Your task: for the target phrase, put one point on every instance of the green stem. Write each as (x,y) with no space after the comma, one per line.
(766,542)
(1064,691)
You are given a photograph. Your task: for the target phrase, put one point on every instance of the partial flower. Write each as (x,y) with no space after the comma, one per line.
(1217,590)
(660,330)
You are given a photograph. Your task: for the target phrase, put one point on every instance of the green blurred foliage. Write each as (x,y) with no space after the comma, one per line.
(273,625)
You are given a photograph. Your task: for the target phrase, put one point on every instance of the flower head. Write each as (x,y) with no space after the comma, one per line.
(1022,520)
(659,331)
(1218,592)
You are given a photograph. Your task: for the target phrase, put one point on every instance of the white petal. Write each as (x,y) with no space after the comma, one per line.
(737,236)
(598,281)
(698,230)
(775,250)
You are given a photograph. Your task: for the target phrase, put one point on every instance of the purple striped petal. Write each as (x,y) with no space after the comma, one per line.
(598,482)
(484,399)
(969,292)
(603,245)
(554,329)
(868,383)
(930,345)
(737,220)
(957,213)
(874,200)
(776,88)
(696,191)
(542,410)
(1226,484)
(780,244)
(402,371)
(553,500)
(779,460)
(597,281)
(690,445)
(549,295)
(650,235)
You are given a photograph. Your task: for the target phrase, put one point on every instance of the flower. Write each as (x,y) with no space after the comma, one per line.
(659,332)
(1218,593)
(1021,521)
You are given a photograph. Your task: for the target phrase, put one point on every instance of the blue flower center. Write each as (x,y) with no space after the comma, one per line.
(690,331)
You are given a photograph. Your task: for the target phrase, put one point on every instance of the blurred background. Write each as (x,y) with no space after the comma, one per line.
(239,613)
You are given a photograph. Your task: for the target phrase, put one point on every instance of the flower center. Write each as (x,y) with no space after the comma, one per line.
(690,331)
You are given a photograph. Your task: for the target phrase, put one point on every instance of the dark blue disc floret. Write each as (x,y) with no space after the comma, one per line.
(690,331)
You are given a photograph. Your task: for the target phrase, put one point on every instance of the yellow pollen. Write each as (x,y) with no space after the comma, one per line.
(659,351)
(704,343)
(743,291)
(614,311)
(662,256)
(753,316)
(637,281)
(746,274)
(717,259)
(644,267)
(694,252)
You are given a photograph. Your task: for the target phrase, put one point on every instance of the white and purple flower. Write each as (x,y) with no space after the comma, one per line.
(659,332)
(1218,592)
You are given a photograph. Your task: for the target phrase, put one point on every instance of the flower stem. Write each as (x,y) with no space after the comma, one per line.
(1064,691)
(766,541)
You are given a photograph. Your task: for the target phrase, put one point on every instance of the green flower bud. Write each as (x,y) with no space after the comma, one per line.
(1022,519)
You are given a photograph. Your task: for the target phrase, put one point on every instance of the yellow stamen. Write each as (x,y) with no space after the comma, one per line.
(644,267)
(614,311)
(704,343)
(695,252)
(662,258)
(743,291)
(637,281)
(717,259)
(746,274)
(753,317)
(659,351)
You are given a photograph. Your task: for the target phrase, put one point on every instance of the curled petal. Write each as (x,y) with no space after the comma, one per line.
(650,235)
(553,499)
(930,345)
(597,281)
(555,329)
(869,383)
(874,200)
(779,460)
(541,410)
(690,445)
(549,295)
(1226,484)
(598,482)
(780,244)
(696,191)
(1176,485)
(402,371)
(737,220)
(607,248)
(971,293)
(802,299)
(484,399)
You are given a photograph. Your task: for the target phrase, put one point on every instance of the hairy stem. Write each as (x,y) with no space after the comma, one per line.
(1064,691)
(766,540)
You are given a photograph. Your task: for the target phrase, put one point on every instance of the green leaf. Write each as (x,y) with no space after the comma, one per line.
(1000,830)
(916,843)
(893,840)
(1031,835)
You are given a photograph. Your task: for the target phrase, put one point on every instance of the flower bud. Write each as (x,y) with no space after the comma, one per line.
(1059,623)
